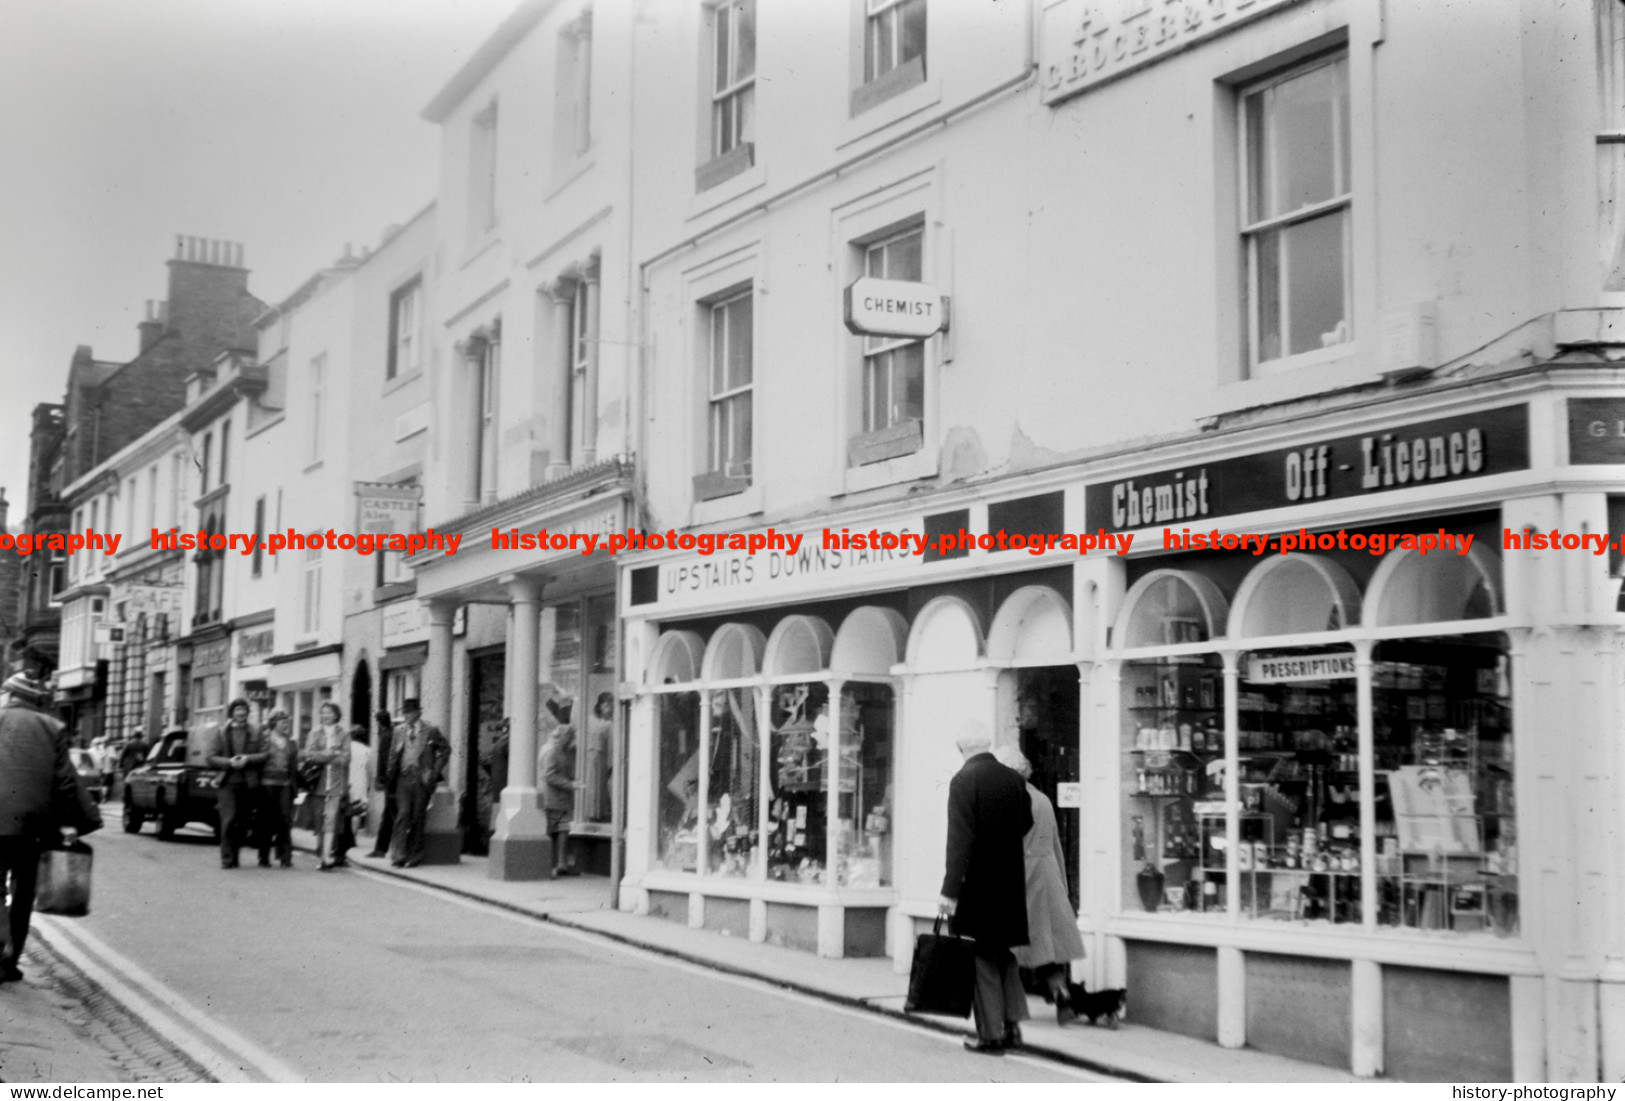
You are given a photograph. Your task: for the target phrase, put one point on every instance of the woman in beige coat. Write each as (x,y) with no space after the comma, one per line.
(1053,941)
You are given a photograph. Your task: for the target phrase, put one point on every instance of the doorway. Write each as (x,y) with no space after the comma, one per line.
(361,697)
(1047,719)
(486,705)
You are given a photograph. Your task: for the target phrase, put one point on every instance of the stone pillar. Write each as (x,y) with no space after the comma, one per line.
(442,837)
(562,295)
(520,847)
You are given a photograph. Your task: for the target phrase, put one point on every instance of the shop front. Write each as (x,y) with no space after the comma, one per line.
(303,681)
(1358,777)
(521,634)
(795,720)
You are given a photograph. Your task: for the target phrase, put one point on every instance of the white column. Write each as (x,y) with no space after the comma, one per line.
(1365,1009)
(520,846)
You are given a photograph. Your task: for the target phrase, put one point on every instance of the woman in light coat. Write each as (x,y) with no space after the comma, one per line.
(330,746)
(1053,941)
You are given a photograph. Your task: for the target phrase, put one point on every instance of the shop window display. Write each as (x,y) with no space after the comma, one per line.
(1298,774)
(678,785)
(799,757)
(864,794)
(1447,844)
(732,783)
(1174,781)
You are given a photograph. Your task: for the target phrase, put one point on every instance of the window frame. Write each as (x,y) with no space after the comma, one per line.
(1251,231)
(719,465)
(405,340)
(886,348)
(482,172)
(725,32)
(317,382)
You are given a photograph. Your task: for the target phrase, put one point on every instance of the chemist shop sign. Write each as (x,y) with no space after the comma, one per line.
(895,308)
(1451,449)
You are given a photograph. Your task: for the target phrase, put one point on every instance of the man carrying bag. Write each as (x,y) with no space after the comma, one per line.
(39,794)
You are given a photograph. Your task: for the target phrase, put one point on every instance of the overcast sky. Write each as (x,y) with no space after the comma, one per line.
(291,126)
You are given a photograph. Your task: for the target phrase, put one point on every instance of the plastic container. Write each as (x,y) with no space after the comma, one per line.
(64,881)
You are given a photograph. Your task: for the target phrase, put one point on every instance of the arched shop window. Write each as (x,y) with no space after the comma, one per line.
(1447,833)
(799,749)
(1407,824)
(730,763)
(1173,720)
(674,670)
(1297,745)
(870,642)
(1435,588)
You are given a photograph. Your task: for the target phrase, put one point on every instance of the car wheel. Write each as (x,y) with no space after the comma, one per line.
(132,818)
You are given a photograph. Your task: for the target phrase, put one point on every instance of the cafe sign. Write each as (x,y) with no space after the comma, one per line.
(1472,445)
(1086,43)
(893,307)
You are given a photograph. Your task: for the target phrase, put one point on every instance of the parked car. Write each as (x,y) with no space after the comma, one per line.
(90,776)
(171,788)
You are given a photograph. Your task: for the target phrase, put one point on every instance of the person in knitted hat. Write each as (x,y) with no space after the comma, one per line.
(36,775)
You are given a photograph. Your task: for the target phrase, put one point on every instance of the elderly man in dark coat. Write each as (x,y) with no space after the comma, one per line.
(984,890)
(36,779)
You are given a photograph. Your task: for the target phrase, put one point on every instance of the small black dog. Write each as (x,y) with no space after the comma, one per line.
(1101,1003)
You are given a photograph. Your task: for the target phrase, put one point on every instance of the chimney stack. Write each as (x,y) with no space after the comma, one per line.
(209,250)
(152,327)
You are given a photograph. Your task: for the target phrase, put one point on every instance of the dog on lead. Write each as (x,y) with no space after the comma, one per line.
(1094,1005)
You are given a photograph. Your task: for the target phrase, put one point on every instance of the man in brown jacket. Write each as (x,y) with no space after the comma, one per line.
(36,778)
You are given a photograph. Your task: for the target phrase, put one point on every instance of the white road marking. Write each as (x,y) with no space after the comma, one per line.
(766,986)
(223,1052)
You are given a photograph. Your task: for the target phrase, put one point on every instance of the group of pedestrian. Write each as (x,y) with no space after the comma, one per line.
(41,804)
(262,770)
(1005,886)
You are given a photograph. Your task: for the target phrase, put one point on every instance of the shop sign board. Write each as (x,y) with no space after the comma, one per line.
(1293,668)
(1596,430)
(1085,43)
(211,658)
(255,647)
(1068,796)
(387,509)
(1450,449)
(693,580)
(893,307)
(149,600)
(405,622)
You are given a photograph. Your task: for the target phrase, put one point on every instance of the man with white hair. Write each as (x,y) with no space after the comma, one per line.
(984,886)
(37,779)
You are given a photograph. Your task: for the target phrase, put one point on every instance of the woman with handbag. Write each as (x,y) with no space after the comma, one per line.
(277,782)
(330,747)
(1053,941)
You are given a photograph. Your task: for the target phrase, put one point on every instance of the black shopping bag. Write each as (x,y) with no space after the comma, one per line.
(943,975)
(64,881)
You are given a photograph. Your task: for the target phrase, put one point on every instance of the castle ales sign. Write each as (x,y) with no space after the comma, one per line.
(1472,445)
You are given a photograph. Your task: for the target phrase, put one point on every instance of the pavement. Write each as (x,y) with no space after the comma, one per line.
(44,1038)
(584,902)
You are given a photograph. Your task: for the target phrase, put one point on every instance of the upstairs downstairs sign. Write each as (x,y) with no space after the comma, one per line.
(1472,445)
(1089,42)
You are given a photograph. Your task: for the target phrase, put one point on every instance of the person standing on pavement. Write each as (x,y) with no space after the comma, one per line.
(984,886)
(277,782)
(496,772)
(417,762)
(1053,941)
(330,747)
(236,748)
(384,725)
(558,779)
(36,779)
(355,792)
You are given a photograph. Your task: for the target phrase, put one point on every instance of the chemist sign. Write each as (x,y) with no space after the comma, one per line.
(892,307)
